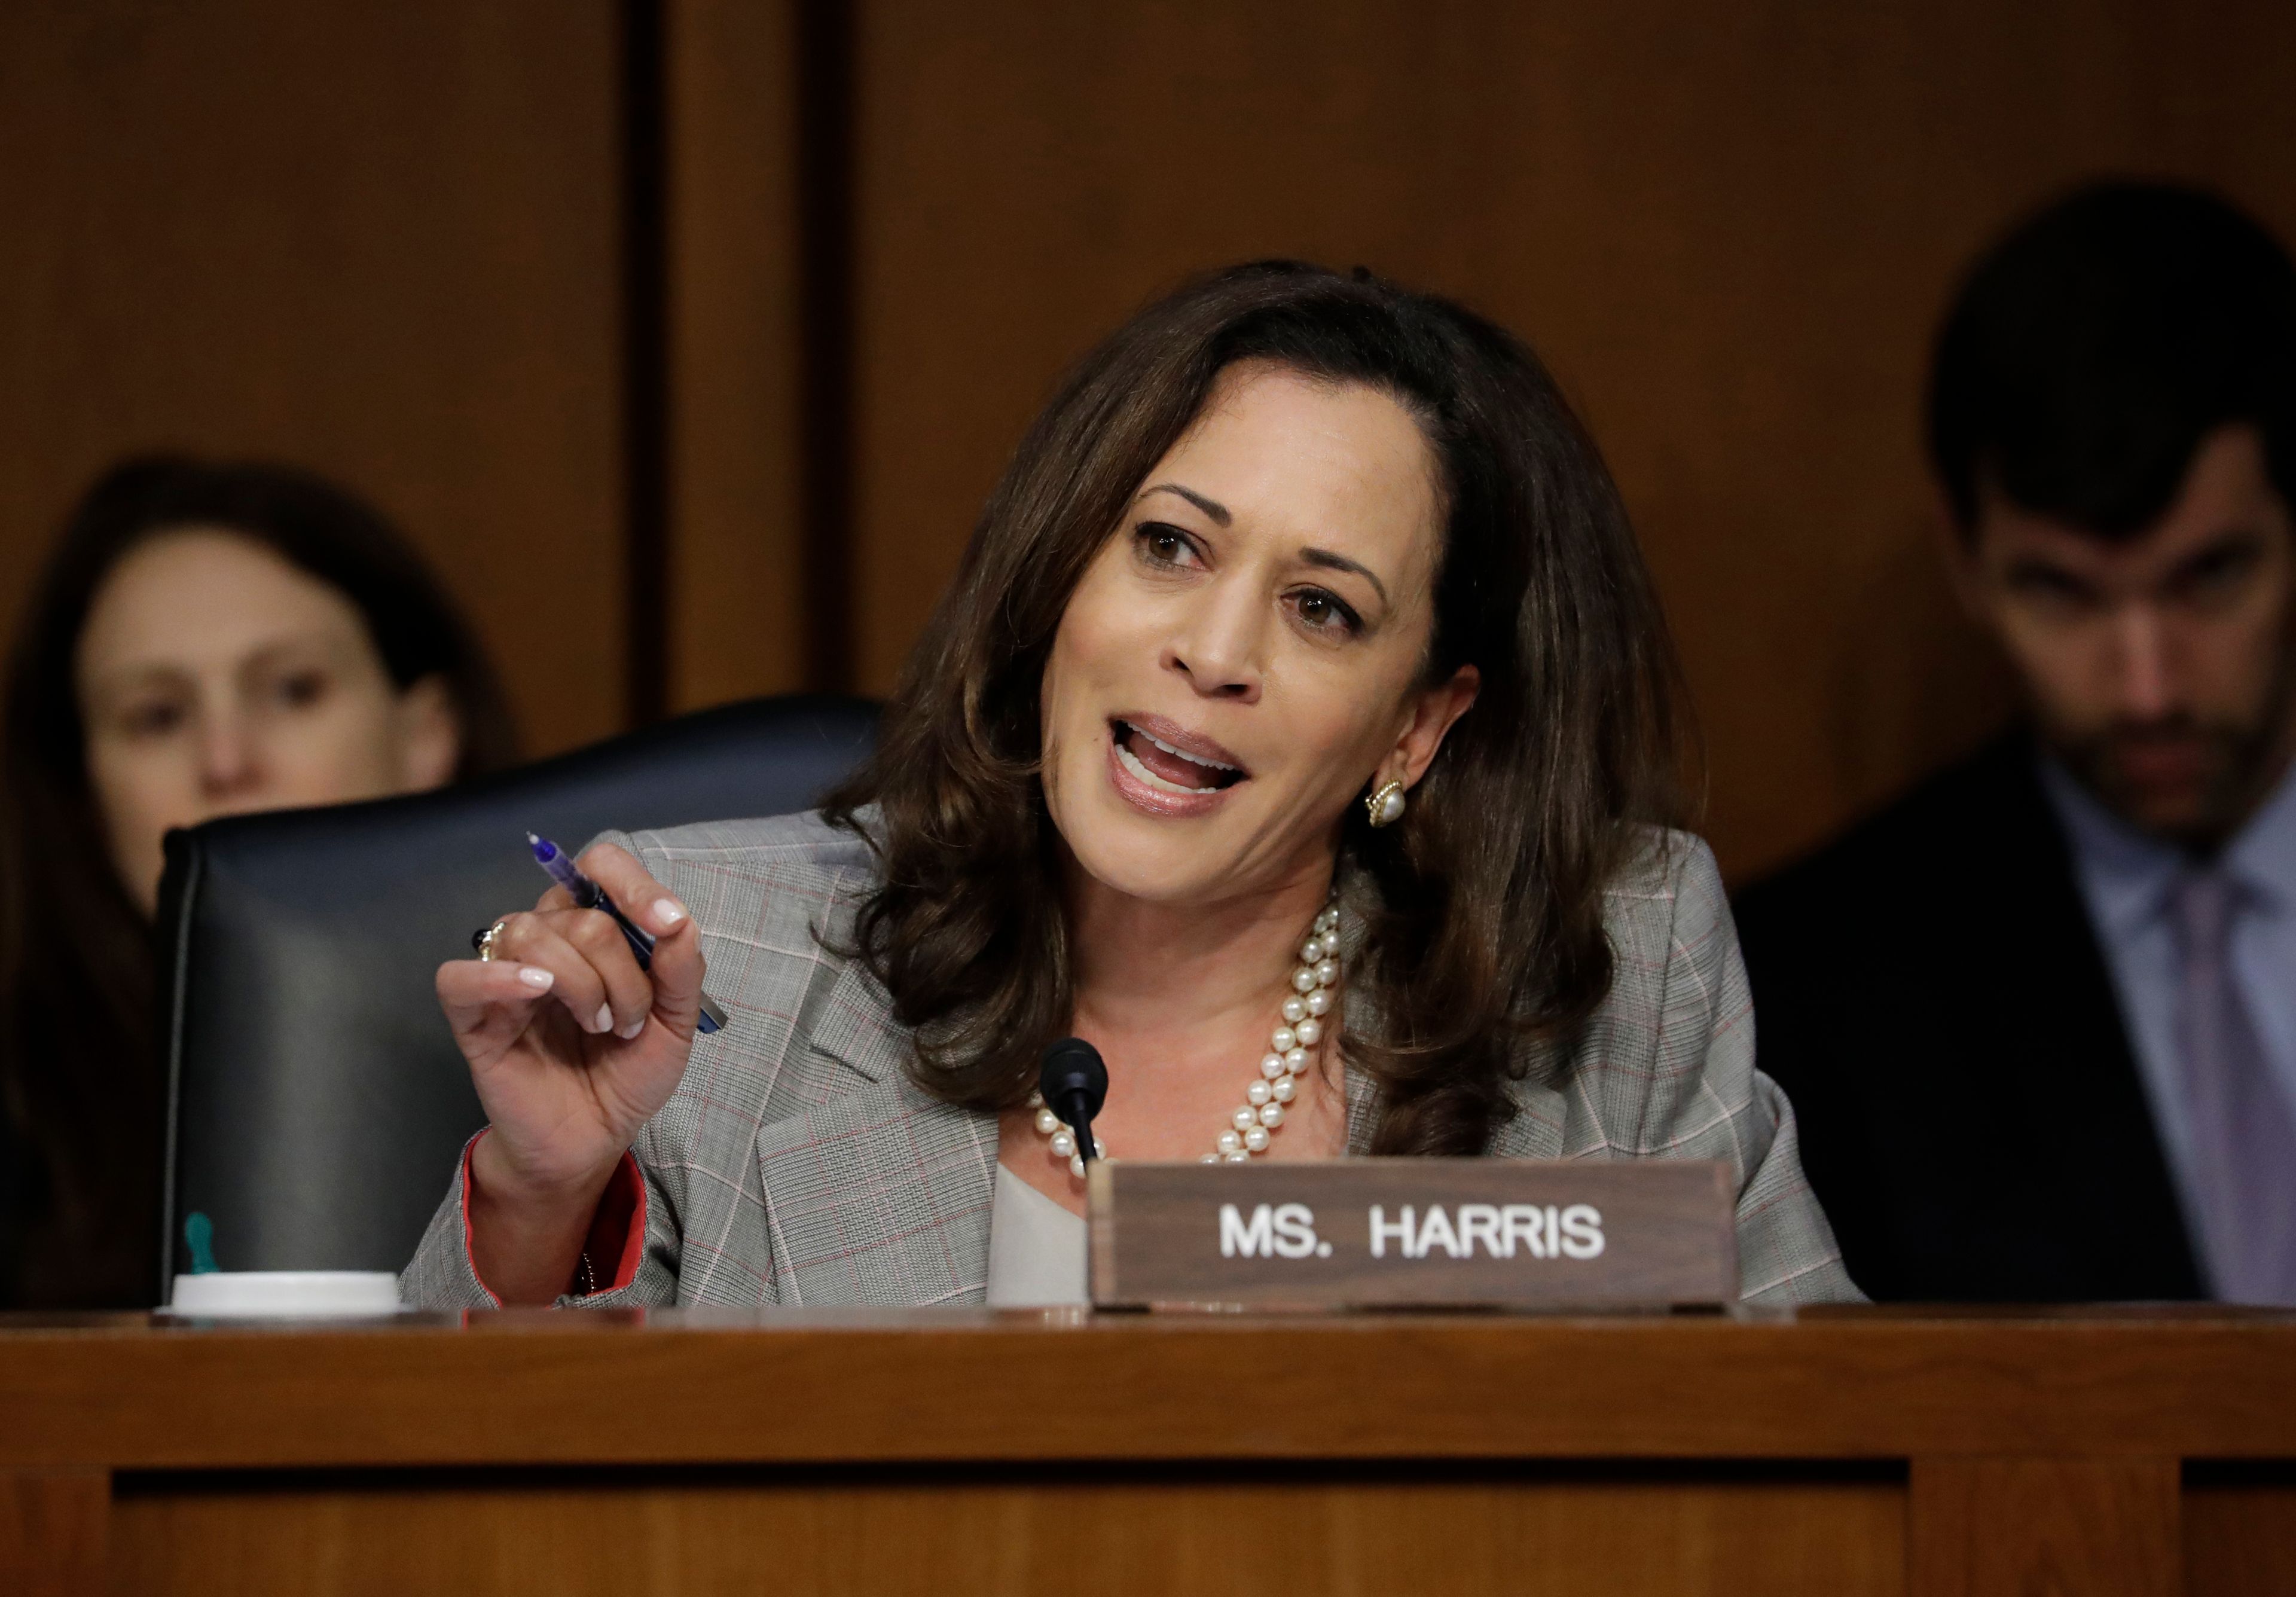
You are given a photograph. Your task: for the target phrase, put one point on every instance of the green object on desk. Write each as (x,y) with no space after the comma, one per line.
(199,1236)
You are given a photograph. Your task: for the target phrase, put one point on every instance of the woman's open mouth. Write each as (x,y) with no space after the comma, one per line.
(1170,771)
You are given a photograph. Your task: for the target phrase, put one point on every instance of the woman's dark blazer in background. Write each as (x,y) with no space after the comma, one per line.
(1930,993)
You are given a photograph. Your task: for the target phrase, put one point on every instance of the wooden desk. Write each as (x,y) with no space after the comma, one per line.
(1851,1453)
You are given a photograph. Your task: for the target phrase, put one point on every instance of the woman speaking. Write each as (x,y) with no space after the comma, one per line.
(1298,731)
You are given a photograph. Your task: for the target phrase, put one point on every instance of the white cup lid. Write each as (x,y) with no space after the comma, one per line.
(274,1294)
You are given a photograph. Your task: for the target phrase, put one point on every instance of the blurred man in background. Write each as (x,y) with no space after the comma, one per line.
(2083,939)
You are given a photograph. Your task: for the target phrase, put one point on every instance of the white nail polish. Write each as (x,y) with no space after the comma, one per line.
(632,1029)
(535,977)
(606,1021)
(667,913)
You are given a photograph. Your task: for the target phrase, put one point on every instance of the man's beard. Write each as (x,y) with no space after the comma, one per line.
(2236,764)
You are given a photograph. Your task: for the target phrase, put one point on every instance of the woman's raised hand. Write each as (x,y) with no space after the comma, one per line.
(572,1048)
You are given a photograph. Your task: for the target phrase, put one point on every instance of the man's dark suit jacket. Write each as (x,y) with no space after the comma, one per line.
(1930,993)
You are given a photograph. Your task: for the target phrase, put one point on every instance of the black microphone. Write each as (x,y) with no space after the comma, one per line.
(1074,1082)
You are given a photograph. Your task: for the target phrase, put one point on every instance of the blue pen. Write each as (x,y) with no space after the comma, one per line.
(588,895)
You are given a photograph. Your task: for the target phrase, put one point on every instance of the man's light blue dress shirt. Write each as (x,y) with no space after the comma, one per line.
(2128,881)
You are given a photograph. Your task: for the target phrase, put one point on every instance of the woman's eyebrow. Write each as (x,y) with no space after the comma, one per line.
(1211,507)
(1218,512)
(136,673)
(271,648)
(1341,562)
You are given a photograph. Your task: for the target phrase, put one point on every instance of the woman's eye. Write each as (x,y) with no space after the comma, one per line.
(301,690)
(152,719)
(1326,613)
(1161,544)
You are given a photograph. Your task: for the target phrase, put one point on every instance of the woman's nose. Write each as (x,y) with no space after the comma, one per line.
(1218,648)
(229,761)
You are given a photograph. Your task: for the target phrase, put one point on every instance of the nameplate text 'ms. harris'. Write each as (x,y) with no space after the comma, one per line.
(1401,1233)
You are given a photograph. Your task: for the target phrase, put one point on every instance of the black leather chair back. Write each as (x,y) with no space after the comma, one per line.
(316,1100)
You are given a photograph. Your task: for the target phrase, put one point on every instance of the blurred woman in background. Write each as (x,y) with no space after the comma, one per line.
(207,640)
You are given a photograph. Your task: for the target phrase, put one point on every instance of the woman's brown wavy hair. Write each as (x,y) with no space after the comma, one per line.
(1485,948)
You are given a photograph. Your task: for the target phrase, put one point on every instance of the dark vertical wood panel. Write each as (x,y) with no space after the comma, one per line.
(2240,1536)
(739,616)
(1729,231)
(381,240)
(828,67)
(647,417)
(54,1532)
(2024,1527)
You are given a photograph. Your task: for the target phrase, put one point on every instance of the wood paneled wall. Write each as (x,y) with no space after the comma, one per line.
(1730,230)
(379,240)
(736,592)
(392,241)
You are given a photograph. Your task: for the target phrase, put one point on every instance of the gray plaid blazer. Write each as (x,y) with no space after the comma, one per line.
(797,1164)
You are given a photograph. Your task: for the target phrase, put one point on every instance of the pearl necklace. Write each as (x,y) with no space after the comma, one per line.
(1314,988)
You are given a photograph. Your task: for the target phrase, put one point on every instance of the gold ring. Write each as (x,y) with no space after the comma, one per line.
(485,941)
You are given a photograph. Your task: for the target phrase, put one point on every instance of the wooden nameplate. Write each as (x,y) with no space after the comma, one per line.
(1400,1232)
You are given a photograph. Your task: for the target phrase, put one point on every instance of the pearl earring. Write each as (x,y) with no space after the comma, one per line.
(1386,805)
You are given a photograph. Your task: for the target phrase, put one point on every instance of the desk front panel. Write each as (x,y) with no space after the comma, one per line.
(2133,1453)
(1108,1531)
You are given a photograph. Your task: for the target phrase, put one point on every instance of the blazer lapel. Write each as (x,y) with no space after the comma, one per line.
(1536,1132)
(850,1018)
(881,1195)
(1357,1015)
